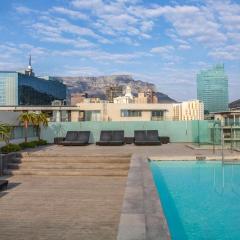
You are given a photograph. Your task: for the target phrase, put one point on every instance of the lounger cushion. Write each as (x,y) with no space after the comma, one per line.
(111,138)
(147,138)
(152,135)
(118,136)
(71,136)
(76,138)
(83,136)
(140,135)
(106,136)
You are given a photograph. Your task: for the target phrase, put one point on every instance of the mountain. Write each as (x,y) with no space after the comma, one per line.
(95,86)
(235,104)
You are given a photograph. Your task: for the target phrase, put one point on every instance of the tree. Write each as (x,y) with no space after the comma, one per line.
(40,119)
(27,118)
(5,132)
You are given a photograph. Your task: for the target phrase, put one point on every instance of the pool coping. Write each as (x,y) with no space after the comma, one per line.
(198,157)
(142,216)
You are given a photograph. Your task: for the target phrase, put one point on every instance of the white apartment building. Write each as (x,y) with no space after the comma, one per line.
(188,110)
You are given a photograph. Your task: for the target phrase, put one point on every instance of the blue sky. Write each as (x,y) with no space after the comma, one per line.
(160,41)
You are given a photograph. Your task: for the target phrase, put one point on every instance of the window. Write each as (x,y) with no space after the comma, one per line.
(157,115)
(94,115)
(131,113)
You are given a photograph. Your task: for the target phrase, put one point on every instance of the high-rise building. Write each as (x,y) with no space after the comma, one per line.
(212,89)
(26,89)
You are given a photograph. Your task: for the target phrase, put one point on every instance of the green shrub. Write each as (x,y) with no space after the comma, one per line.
(40,142)
(10,148)
(24,145)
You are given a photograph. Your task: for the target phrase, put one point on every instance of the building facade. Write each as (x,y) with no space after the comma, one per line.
(188,110)
(123,112)
(230,124)
(26,89)
(212,89)
(148,96)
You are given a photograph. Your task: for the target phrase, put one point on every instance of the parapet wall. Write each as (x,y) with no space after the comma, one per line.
(178,131)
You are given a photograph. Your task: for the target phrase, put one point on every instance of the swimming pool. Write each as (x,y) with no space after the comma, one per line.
(200,199)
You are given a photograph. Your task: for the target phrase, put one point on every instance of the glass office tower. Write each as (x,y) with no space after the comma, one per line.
(26,89)
(212,89)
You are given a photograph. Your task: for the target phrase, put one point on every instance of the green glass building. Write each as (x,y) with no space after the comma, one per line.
(212,89)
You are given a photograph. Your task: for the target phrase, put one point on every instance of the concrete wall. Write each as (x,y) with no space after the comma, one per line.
(178,131)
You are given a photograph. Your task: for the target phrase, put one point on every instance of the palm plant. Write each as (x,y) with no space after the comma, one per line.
(5,132)
(27,118)
(41,119)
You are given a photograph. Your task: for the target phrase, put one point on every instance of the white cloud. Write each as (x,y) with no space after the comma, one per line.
(81,71)
(229,52)
(114,18)
(53,29)
(70,13)
(184,47)
(89,4)
(162,49)
(24,10)
(100,55)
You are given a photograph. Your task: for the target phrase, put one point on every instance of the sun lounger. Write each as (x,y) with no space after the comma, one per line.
(76,138)
(147,138)
(111,138)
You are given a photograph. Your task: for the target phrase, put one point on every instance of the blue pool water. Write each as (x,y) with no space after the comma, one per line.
(200,200)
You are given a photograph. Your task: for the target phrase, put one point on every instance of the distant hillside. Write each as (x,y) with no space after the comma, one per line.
(95,86)
(235,104)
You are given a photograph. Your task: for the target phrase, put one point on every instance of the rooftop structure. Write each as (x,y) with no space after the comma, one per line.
(78,98)
(29,70)
(113,92)
(127,98)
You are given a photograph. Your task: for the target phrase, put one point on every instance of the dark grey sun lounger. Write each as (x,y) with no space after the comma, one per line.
(3,185)
(147,138)
(76,138)
(111,138)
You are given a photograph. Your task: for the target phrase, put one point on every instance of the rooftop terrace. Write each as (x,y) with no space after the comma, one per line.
(89,207)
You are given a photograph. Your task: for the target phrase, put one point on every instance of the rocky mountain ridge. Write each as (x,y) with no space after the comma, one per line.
(95,86)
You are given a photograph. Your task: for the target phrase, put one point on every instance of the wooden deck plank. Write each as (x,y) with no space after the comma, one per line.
(61,208)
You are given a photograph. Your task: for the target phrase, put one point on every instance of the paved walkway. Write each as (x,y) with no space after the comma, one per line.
(168,150)
(71,208)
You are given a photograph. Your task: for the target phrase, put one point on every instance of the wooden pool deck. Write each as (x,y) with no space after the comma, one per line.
(71,208)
